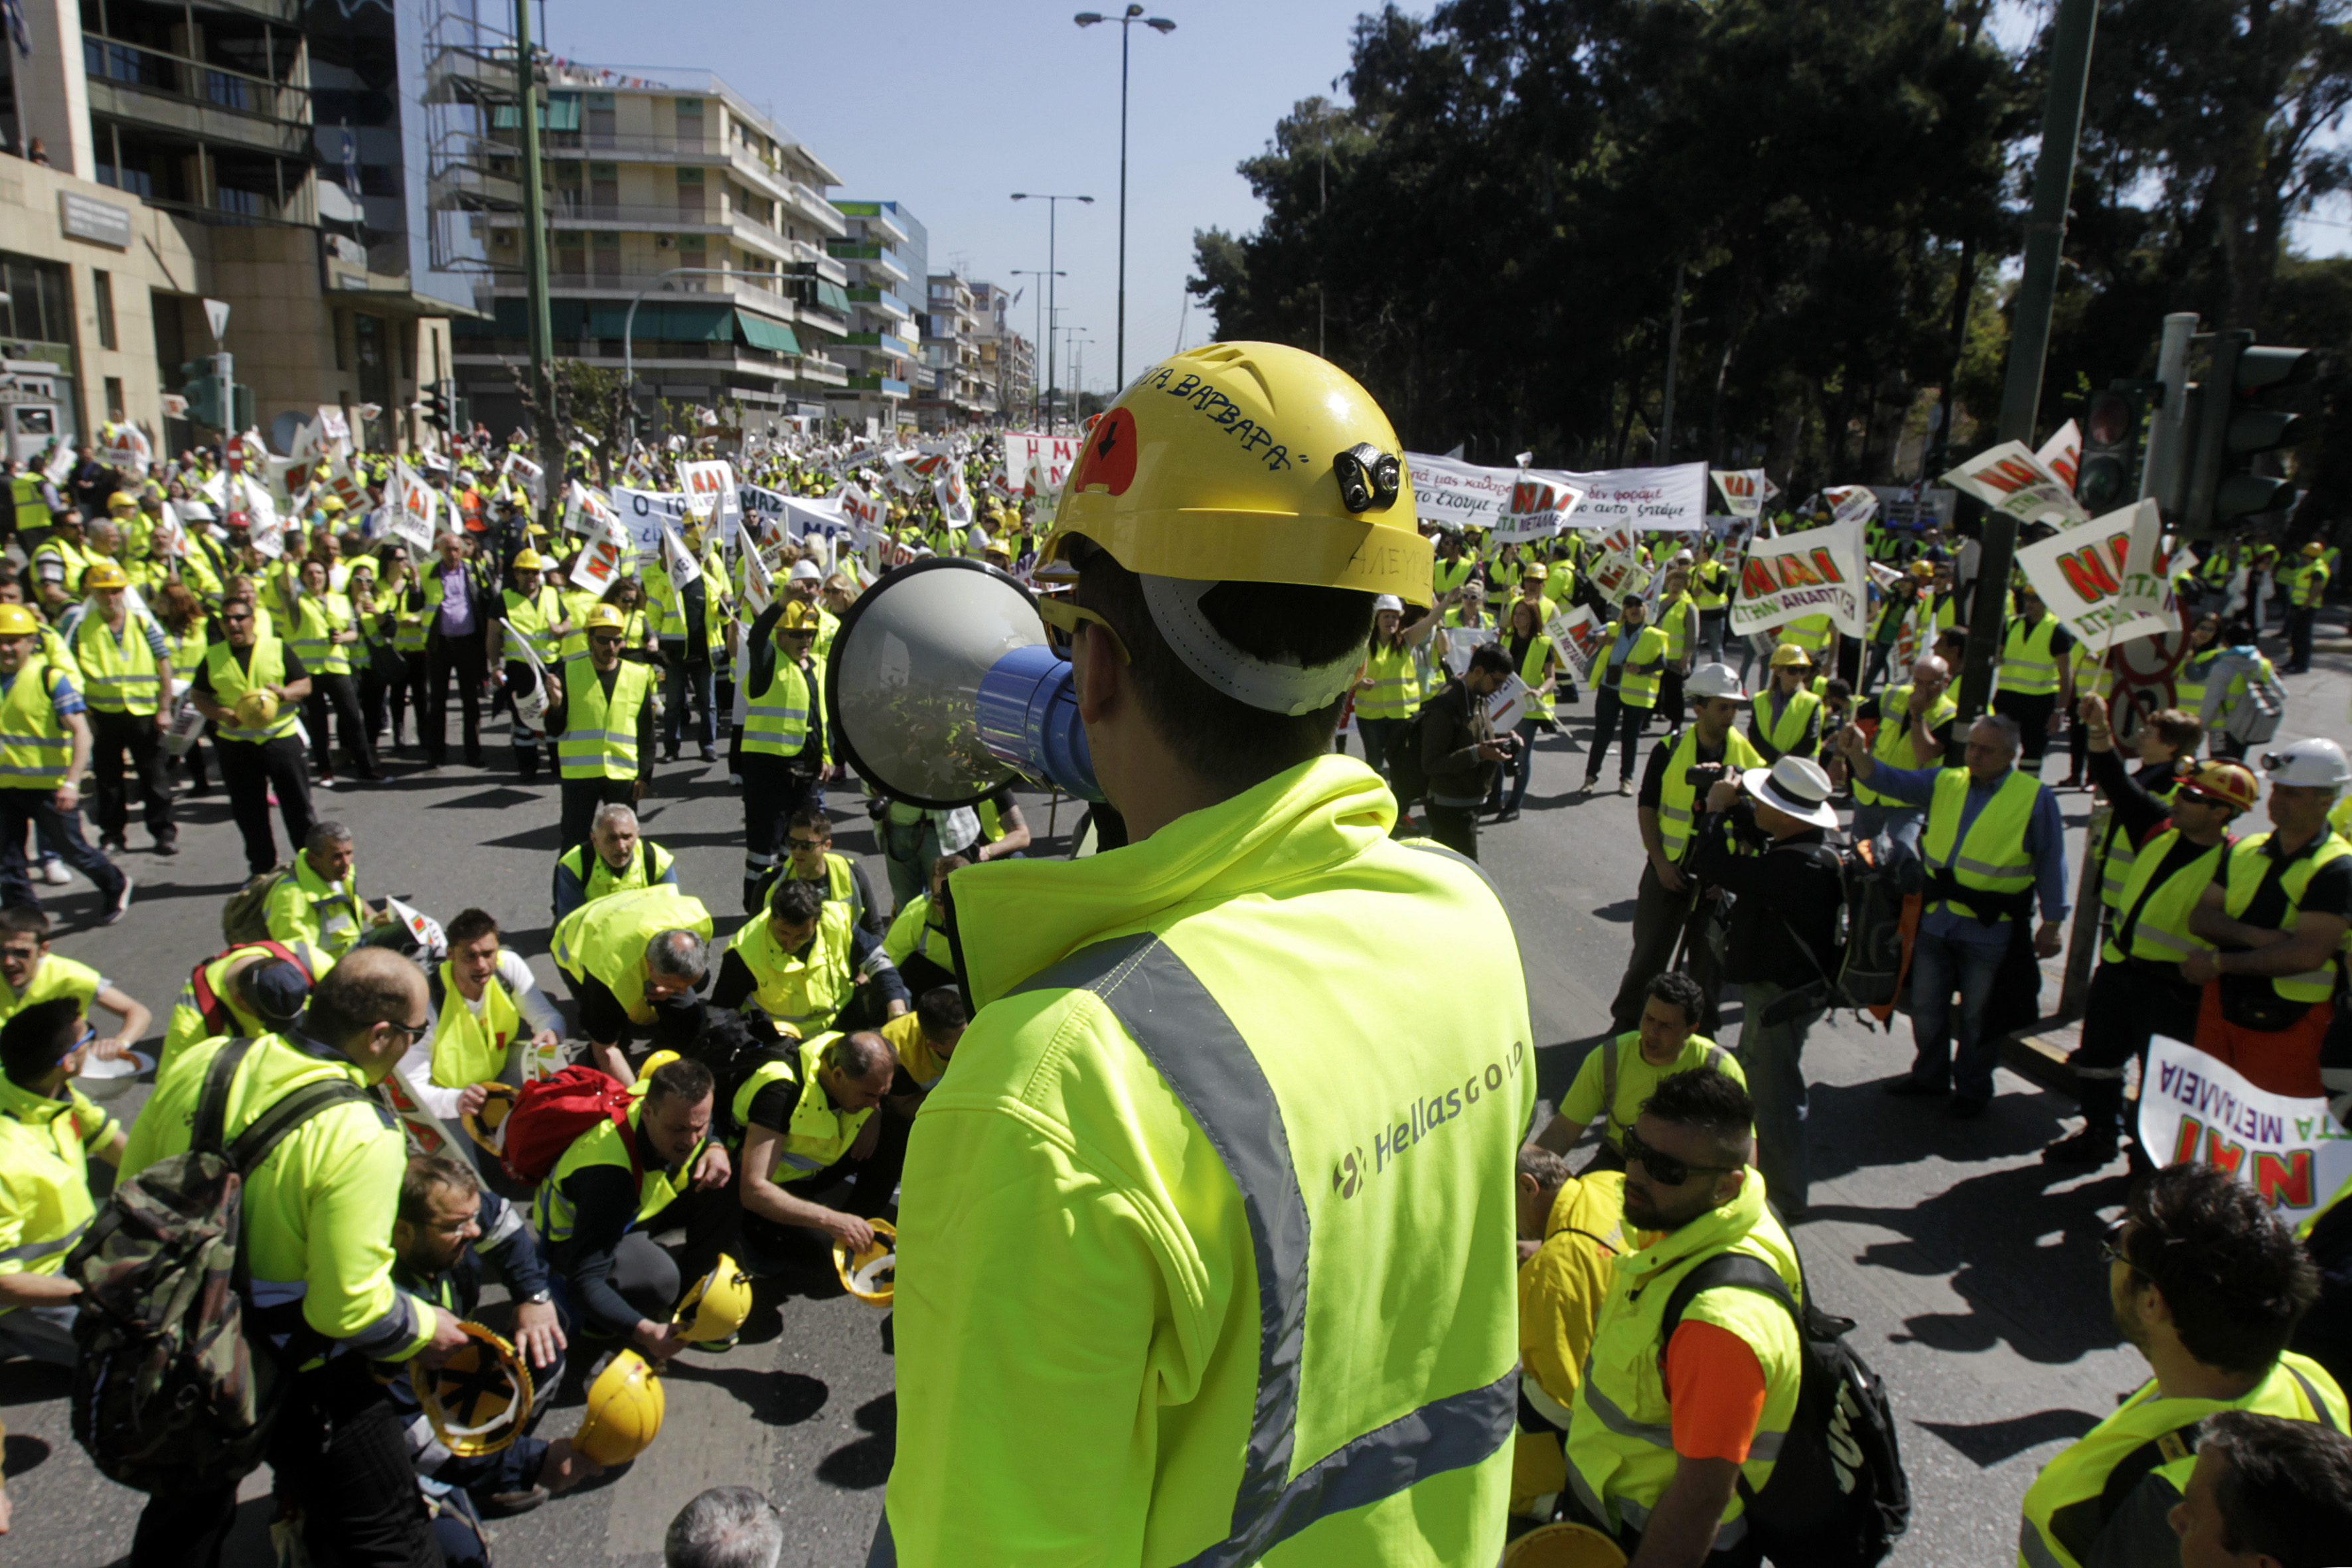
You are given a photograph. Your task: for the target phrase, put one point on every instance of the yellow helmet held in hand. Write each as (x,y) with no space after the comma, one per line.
(256,709)
(624,1411)
(15,621)
(717,1304)
(1564,1545)
(487,1126)
(872,1274)
(478,1401)
(1252,463)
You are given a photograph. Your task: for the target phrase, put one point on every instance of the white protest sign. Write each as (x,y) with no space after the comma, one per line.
(1038,464)
(415,507)
(645,513)
(2010,478)
(1576,636)
(710,490)
(1508,705)
(1743,490)
(1616,574)
(2062,454)
(124,447)
(954,500)
(1455,495)
(1851,503)
(1822,571)
(1462,641)
(60,464)
(1539,509)
(2286,1147)
(861,509)
(678,561)
(2086,576)
(525,472)
(1672,498)
(600,564)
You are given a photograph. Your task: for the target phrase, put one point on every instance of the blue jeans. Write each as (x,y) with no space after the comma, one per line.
(1521,767)
(1939,966)
(1376,734)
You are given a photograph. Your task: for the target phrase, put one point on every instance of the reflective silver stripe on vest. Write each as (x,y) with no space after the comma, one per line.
(36,1249)
(1617,1421)
(1728,1535)
(1193,1046)
(1987,869)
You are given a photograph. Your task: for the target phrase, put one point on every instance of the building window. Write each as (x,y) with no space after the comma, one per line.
(101,295)
(114,408)
(40,301)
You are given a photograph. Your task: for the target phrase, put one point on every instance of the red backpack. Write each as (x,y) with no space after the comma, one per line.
(210,1005)
(551,1113)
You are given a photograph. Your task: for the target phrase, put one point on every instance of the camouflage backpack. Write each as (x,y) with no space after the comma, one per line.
(170,1394)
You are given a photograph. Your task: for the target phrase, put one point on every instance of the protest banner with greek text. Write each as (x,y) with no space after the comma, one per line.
(2010,478)
(1822,571)
(2084,574)
(2288,1148)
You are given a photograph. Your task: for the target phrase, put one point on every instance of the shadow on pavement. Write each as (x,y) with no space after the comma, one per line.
(866,1463)
(1991,1442)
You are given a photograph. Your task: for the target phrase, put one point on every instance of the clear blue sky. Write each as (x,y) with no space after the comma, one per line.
(951,108)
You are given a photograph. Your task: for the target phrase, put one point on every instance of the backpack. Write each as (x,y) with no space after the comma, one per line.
(170,1393)
(2254,717)
(1408,781)
(1864,968)
(551,1113)
(245,917)
(1838,1497)
(214,1011)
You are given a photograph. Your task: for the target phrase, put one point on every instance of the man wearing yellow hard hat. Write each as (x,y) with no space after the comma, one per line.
(783,755)
(127,670)
(45,744)
(531,617)
(600,714)
(1165,1201)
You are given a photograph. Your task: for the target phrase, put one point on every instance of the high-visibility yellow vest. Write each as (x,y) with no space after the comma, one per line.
(73,558)
(841,883)
(1992,858)
(119,672)
(820,1133)
(1891,747)
(305,907)
(1783,732)
(54,978)
(470,1047)
(556,1216)
(607,939)
(188,1025)
(265,666)
(45,1144)
(776,721)
(804,992)
(2028,666)
(2065,1508)
(2307,584)
(1396,684)
(1532,664)
(32,510)
(34,750)
(1812,633)
(1678,618)
(647,863)
(2117,854)
(534,617)
(1620,1450)
(1677,800)
(1710,585)
(1636,688)
(2248,866)
(2162,933)
(1449,575)
(599,733)
(575,603)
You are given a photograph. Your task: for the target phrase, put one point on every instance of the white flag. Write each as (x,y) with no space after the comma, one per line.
(678,561)
(415,508)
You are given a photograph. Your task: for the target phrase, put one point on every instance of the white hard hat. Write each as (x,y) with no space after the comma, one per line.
(804,571)
(2308,764)
(1682,558)
(1714,680)
(1387,602)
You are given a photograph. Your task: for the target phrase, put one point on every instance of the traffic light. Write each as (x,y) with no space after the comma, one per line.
(440,401)
(200,384)
(2105,479)
(2248,403)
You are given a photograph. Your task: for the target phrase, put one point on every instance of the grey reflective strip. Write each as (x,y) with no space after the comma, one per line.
(800,1161)
(2156,937)
(1673,813)
(2034,1552)
(1193,1046)
(2318,1406)
(32,1250)
(1987,869)
(1617,1421)
(756,711)
(47,743)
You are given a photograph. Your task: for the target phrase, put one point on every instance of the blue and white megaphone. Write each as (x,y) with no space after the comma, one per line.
(942,687)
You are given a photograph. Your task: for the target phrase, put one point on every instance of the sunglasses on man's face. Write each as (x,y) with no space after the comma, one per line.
(1665,1169)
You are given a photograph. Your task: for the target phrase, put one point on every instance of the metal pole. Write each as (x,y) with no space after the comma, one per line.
(224,366)
(2161,476)
(1053,211)
(1126,30)
(1661,449)
(2028,340)
(534,257)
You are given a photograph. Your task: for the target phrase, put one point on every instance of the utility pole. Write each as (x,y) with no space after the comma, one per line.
(1662,450)
(534,261)
(1127,21)
(2029,342)
(2162,473)
(1052,212)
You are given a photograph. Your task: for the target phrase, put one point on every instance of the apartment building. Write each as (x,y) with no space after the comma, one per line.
(887,252)
(954,394)
(1008,366)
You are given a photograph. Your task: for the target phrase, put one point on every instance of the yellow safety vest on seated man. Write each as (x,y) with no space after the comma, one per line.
(44,1201)
(555,1213)
(650,865)
(816,1133)
(471,1048)
(190,1021)
(2066,1508)
(804,992)
(607,939)
(55,977)
(1621,1452)
(305,907)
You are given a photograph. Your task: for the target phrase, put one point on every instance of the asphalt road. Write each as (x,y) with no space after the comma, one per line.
(1971,1270)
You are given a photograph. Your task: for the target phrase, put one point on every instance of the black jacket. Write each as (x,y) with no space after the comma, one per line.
(1453,723)
(1791,889)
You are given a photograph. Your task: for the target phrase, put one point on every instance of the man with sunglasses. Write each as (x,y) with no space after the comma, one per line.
(2205,1281)
(784,734)
(318,1221)
(808,844)
(259,753)
(47,1133)
(604,744)
(2139,990)
(1668,1440)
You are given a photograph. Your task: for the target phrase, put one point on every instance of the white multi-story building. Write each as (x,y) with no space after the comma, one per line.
(952,359)
(1007,363)
(886,251)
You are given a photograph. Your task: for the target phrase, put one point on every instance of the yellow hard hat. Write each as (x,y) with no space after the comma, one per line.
(717,1304)
(103,575)
(607,619)
(478,1401)
(122,500)
(871,1275)
(15,621)
(1564,1545)
(1789,655)
(256,709)
(530,560)
(799,616)
(2313,550)
(1923,569)
(624,1411)
(487,1126)
(1248,462)
(331,504)
(534,531)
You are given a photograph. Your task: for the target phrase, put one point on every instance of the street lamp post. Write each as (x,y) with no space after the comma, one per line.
(1053,212)
(1034,342)
(628,351)
(1127,22)
(1079,377)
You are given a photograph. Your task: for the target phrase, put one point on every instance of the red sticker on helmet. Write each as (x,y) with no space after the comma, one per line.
(1110,459)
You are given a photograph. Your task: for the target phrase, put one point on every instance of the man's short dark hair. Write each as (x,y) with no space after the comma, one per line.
(1676,989)
(471,925)
(795,901)
(17,920)
(1711,1102)
(2180,731)
(860,1055)
(358,994)
(815,820)
(425,1174)
(726,1527)
(683,1079)
(2283,1487)
(1490,657)
(2232,1273)
(940,1011)
(32,1041)
(1230,744)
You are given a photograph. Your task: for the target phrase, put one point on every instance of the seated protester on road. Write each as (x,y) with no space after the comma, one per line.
(1572,1232)
(2207,1282)
(448,1227)
(805,964)
(809,1128)
(808,844)
(248,990)
(1618,1075)
(725,1527)
(30,973)
(1693,1430)
(597,1220)
(490,1019)
(318,901)
(47,1133)
(925,1041)
(634,961)
(917,943)
(616,859)
(2266,1493)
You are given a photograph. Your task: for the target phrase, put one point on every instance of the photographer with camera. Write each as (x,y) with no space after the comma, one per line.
(1460,752)
(1668,901)
(1766,840)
